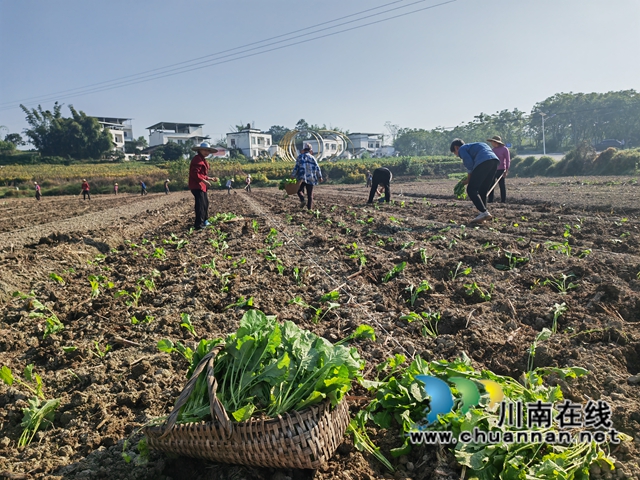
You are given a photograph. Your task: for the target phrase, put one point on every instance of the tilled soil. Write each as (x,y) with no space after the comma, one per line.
(144,246)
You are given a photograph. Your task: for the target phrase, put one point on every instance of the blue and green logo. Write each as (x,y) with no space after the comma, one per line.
(441,396)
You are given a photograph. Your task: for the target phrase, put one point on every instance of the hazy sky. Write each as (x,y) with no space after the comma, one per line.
(435,67)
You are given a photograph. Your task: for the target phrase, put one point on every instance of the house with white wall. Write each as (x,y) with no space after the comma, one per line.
(251,141)
(367,141)
(182,133)
(120,130)
(331,147)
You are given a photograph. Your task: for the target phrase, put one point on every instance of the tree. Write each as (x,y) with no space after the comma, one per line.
(173,151)
(277,133)
(78,136)
(157,155)
(14,138)
(132,146)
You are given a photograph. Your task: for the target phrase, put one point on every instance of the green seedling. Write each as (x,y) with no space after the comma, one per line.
(186,323)
(255,226)
(455,274)
(423,255)
(563,283)
(558,309)
(211,266)
(95,286)
(224,217)
(69,349)
(99,352)
(513,261)
(333,295)
(280,267)
(241,303)
(39,310)
(159,253)
(415,291)
(169,347)
(36,416)
(224,282)
(473,288)
(407,245)
(56,278)
(563,248)
(394,272)
(146,319)
(545,334)
(237,263)
(363,331)
(33,381)
(357,253)
(298,274)
(428,321)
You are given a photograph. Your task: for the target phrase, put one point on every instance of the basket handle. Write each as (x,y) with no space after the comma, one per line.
(217,409)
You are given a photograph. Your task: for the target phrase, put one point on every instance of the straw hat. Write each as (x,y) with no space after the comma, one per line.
(204,146)
(496,138)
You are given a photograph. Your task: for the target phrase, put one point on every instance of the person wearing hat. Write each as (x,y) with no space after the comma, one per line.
(198,182)
(166,187)
(308,172)
(115,188)
(247,183)
(502,152)
(38,193)
(85,189)
(481,164)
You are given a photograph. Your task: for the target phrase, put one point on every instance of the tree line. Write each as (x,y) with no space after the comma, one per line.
(571,119)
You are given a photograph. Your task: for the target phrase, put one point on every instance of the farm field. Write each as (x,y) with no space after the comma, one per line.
(578,240)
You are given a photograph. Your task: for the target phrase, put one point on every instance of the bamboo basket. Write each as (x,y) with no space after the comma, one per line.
(292,188)
(304,439)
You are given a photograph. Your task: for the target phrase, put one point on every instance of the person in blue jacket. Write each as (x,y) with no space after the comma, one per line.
(481,164)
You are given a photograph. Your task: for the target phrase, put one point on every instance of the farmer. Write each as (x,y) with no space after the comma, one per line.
(229,187)
(198,182)
(143,189)
(166,187)
(369,179)
(308,171)
(85,189)
(481,164)
(381,177)
(247,182)
(38,193)
(502,152)
(115,188)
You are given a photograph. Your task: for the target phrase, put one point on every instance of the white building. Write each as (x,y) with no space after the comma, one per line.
(367,141)
(330,148)
(120,129)
(181,133)
(251,141)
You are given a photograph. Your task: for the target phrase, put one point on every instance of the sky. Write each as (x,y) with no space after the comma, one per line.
(436,64)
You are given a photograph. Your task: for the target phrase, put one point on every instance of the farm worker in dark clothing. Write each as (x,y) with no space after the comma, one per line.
(381,177)
(229,187)
(307,170)
(115,188)
(502,152)
(369,178)
(38,193)
(166,187)
(198,181)
(143,188)
(481,164)
(85,190)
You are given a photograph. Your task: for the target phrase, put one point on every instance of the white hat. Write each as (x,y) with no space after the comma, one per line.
(204,146)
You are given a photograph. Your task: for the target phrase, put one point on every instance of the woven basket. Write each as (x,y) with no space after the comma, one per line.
(304,439)
(292,188)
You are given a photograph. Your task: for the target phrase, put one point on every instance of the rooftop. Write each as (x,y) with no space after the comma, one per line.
(176,127)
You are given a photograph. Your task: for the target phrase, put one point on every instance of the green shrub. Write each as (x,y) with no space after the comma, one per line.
(353,178)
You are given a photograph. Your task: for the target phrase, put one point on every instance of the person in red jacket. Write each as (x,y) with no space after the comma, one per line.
(198,182)
(85,189)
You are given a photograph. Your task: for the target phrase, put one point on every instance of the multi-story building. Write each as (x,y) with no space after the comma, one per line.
(120,129)
(181,133)
(251,141)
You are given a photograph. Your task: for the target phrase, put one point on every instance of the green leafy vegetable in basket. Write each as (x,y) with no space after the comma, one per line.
(283,183)
(271,368)
(460,190)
